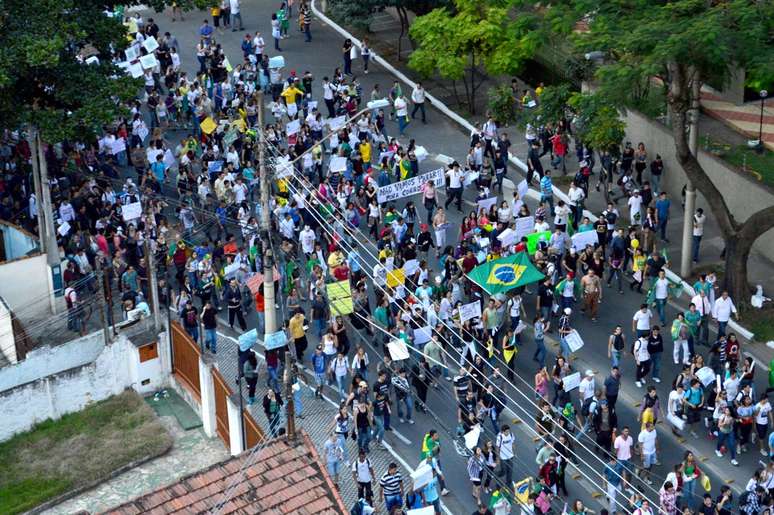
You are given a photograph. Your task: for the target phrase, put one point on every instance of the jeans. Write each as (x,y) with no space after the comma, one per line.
(234,18)
(273,380)
(655,358)
(193,332)
(727,439)
(421,107)
(307,33)
(379,429)
(341,440)
(655,182)
(506,469)
(660,303)
(363,438)
(347,64)
(341,384)
(261,326)
(211,339)
(276,45)
(689,489)
(704,331)
(540,352)
(319,327)
(722,328)
(299,407)
(662,225)
(615,272)
(402,123)
(615,357)
(548,199)
(696,244)
(642,370)
(408,401)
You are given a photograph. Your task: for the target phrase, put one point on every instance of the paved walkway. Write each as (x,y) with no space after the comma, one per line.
(191,451)
(745,118)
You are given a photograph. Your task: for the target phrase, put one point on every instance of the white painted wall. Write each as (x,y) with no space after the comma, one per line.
(61,389)
(17,242)
(7,342)
(24,283)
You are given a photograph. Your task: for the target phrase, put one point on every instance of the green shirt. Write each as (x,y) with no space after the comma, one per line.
(692,320)
(380,315)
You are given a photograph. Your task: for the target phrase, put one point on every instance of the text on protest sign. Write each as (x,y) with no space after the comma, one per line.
(469,311)
(410,186)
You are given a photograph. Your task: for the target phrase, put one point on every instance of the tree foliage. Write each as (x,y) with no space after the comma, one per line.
(598,123)
(681,44)
(42,82)
(474,36)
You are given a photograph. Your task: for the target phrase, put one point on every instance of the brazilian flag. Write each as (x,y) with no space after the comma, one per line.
(505,274)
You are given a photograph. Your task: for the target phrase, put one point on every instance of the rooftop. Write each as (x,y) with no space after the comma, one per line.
(285,478)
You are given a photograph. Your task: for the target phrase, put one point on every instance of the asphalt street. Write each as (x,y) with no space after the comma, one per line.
(443,137)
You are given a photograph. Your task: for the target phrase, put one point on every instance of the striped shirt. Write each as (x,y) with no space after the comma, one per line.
(546,187)
(390,483)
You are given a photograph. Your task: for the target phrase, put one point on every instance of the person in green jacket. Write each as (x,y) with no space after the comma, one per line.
(692,320)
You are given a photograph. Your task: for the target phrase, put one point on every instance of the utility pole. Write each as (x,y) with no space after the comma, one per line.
(686,254)
(289,402)
(32,138)
(101,301)
(150,262)
(270,313)
(45,208)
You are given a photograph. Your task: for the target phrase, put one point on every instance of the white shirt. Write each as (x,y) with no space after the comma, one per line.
(662,288)
(234,6)
(723,309)
(259,44)
(575,195)
(635,205)
(327,91)
(363,470)
(307,241)
(643,319)
(641,349)
(586,388)
(648,441)
(762,413)
(702,304)
(505,445)
(623,447)
(418,95)
(698,224)
(455,177)
(673,402)
(401,107)
(380,274)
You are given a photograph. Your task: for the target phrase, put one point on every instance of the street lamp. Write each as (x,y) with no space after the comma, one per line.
(759,148)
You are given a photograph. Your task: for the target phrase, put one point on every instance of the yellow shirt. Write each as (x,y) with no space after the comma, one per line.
(365,152)
(291,93)
(638,263)
(296,326)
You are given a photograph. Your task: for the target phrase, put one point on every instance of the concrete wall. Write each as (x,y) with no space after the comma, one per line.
(743,194)
(17,242)
(52,382)
(7,341)
(34,273)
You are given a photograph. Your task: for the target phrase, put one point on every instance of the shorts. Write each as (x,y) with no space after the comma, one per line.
(333,468)
(319,379)
(762,430)
(391,501)
(476,482)
(692,415)
(648,460)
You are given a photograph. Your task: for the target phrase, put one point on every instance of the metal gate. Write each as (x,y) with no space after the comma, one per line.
(185,361)
(222,392)
(253,432)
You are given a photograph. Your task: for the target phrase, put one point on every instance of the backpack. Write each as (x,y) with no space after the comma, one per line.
(190,318)
(586,407)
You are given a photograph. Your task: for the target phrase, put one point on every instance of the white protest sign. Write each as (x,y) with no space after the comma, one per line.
(472,436)
(410,267)
(311,105)
(574,341)
(507,237)
(135,70)
(522,188)
(420,153)
(283,168)
(410,186)
(293,127)
(169,159)
(524,226)
(131,211)
(706,375)
(581,239)
(469,311)
(142,133)
(148,61)
(336,123)
(150,44)
(132,53)
(427,510)
(119,145)
(63,229)
(389,265)
(277,62)
(422,475)
(230,270)
(571,381)
(338,164)
(398,350)
(469,177)
(487,203)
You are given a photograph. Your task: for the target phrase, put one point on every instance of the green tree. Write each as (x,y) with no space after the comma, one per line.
(681,44)
(44,84)
(598,123)
(475,37)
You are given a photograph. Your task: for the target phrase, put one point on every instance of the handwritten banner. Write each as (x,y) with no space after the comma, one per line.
(410,186)
(469,311)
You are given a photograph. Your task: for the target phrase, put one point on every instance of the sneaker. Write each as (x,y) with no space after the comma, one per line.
(448,378)
(401,420)
(656,379)
(444,492)
(649,481)
(718,453)
(764,453)
(734,463)
(411,422)
(638,383)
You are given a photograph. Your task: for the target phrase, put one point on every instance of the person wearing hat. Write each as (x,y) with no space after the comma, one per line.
(565,329)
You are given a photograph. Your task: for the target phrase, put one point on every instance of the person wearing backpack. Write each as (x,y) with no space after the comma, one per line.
(588,410)
(616,344)
(363,474)
(73,311)
(642,358)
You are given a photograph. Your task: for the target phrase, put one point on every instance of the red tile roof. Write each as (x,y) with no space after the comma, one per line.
(284,478)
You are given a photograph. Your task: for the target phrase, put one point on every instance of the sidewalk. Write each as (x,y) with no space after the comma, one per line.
(743,118)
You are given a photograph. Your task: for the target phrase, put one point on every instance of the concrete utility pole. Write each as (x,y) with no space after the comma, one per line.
(290,405)
(150,262)
(32,139)
(102,305)
(270,313)
(51,245)
(690,190)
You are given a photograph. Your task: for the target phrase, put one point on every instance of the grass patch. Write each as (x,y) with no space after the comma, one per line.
(760,322)
(746,159)
(57,456)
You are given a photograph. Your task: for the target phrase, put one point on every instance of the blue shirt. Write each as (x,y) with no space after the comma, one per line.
(431,491)
(662,208)
(205,31)
(158,170)
(546,186)
(771,444)
(613,474)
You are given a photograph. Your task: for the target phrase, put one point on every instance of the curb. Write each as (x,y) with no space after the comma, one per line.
(443,108)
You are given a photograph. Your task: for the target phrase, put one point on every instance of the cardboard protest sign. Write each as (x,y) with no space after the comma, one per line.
(469,311)
(340,298)
(412,186)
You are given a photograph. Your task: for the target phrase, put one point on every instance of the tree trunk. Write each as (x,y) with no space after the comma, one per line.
(739,237)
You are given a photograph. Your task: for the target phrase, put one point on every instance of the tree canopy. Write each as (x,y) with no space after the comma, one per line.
(43,81)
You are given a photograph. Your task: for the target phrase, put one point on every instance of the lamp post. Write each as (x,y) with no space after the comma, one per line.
(759,148)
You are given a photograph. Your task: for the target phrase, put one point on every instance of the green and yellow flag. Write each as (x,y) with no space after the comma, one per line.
(505,274)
